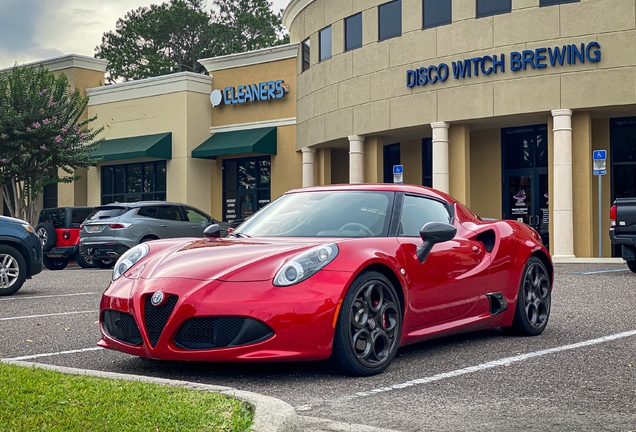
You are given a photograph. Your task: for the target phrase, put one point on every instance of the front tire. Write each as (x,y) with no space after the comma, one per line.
(632,265)
(55,263)
(12,270)
(534,300)
(369,326)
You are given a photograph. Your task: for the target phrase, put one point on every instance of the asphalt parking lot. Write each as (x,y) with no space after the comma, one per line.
(579,375)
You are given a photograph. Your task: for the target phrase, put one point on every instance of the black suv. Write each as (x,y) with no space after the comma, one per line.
(58,229)
(20,254)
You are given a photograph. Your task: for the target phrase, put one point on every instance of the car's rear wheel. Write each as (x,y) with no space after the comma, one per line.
(46,232)
(533,302)
(55,263)
(632,265)
(84,262)
(104,264)
(369,325)
(12,270)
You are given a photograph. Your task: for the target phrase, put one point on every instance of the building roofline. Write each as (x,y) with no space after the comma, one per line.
(263,55)
(67,61)
(292,10)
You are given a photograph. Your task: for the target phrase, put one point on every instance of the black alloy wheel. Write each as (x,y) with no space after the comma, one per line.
(368,332)
(55,263)
(534,300)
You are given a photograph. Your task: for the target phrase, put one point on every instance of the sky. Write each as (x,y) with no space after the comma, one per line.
(32,30)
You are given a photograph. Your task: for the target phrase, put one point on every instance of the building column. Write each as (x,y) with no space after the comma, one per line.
(356,159)
(459,163)
(562,201)
(440,156)
(309,166)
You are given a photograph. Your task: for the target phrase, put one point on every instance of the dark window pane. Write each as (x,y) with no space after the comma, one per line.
(161,176)
(169,212)
(229,206)
(264,173)
(107,180)
(229,175)
(555,2)
(120,178)
(353,32)
(247,174)
(118,198)
(78,216)
(541,160)
(160,196)
(427,162)
(493,7)
(306,54)
(623,139)
(390,19)
(437,12)
(325,43)
(391,157)
(518,145)
(148,196)
(50,195)
(149,177)
(150,211)
(264,198)
(624,177)
(133,178)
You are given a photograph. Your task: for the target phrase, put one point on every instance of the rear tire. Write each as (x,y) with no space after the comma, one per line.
(55,263)
(46,232)
(369,326)
(13,270)
(632,265)
(83,262)
(532,310)
(104,264)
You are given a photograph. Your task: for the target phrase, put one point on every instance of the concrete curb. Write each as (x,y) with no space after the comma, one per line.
(564,260)
(270,414)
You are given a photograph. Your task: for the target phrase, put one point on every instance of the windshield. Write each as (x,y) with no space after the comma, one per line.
(322,214)
(106,213)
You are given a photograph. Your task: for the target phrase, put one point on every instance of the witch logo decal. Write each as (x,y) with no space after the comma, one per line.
(521,198)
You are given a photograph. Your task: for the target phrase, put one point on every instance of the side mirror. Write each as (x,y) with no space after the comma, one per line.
(433,233)
(213,231)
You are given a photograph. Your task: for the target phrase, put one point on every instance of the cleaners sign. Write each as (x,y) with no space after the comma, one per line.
(539,58)
(248,93)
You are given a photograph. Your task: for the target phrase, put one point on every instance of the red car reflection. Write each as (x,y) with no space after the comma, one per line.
(347,272)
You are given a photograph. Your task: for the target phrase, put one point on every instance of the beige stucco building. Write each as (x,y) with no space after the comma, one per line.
(502,104)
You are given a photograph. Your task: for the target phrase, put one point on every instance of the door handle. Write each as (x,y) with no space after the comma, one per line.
(195,227)
(163,226)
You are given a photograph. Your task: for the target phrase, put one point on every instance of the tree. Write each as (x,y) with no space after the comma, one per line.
(172,37)
(41,134)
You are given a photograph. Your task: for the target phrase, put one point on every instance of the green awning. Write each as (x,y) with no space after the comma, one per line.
(158,146)
(261,141)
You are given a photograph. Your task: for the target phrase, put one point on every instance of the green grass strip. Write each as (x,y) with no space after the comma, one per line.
(36,399)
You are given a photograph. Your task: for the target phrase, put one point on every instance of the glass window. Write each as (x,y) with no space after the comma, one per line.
(169,212)
(306,54)
(391,157)
(555,2)
(50,195)
(324,38)
(390,19)
(195,215)
(148,211)
(243,177)
(417,212)
(427,162)
(78,216)
(134,182)
(437,13)
(525,147)
(493,7)
(353,32)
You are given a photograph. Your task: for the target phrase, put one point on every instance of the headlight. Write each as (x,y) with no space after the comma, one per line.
(129,259)
(28,227)
(306,264)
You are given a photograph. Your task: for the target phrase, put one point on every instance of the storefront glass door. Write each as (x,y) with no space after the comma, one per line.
(246,186)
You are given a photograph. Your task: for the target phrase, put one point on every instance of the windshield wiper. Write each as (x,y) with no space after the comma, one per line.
(239,234)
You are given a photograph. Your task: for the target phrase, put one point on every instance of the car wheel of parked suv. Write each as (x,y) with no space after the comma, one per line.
(55,263)
(46,232)
(84,262)
(12,270)
(104,264)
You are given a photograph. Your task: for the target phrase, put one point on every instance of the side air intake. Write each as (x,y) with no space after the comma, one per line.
(498,303)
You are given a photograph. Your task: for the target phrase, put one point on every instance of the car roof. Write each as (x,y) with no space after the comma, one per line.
(68,207)
(381,187)
(140,204)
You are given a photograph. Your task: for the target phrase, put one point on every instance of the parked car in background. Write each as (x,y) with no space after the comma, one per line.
(20,254)
(112,229)
(623,229)
(58,229)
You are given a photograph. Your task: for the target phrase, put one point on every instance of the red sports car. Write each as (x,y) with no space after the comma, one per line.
(348,272)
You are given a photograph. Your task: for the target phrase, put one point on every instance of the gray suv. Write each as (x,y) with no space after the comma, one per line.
(110,230)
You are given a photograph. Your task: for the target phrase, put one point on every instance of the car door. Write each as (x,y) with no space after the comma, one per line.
(442,288)
(198,220)
(172,222)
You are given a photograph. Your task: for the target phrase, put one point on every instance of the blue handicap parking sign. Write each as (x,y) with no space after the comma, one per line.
(398,169)
(600,154)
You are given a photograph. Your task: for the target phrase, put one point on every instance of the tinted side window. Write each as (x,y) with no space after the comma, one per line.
(418,211)
(79,216)
(194,215)
(150,211)
(390,19)
(57,217)
(172,213)
(106,213)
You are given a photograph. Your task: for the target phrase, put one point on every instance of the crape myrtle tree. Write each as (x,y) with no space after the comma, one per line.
(172,37)
(42,136)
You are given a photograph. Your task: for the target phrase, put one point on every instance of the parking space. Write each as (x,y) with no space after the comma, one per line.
(580,374)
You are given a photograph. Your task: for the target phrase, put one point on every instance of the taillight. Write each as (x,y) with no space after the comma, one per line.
(118,225)
(230,230)
(613,216)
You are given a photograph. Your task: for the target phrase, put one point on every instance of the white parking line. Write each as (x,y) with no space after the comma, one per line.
(480,367)
(48,315)
(46,296)
(29,357)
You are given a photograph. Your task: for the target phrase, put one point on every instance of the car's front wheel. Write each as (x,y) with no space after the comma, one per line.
(533,302)
(632,265)
(55,263)
(12,270)
(369,326)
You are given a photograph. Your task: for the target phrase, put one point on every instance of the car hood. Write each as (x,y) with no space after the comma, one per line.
(12,220)
(234,260)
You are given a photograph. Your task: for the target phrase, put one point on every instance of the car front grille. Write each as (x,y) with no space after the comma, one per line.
(205,333)
(121,326)
(156,317)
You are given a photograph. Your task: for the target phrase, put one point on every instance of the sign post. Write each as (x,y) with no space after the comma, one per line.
(398,174)
(600,169)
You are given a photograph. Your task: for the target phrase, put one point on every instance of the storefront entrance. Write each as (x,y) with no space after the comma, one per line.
(525,177)
(246,186)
